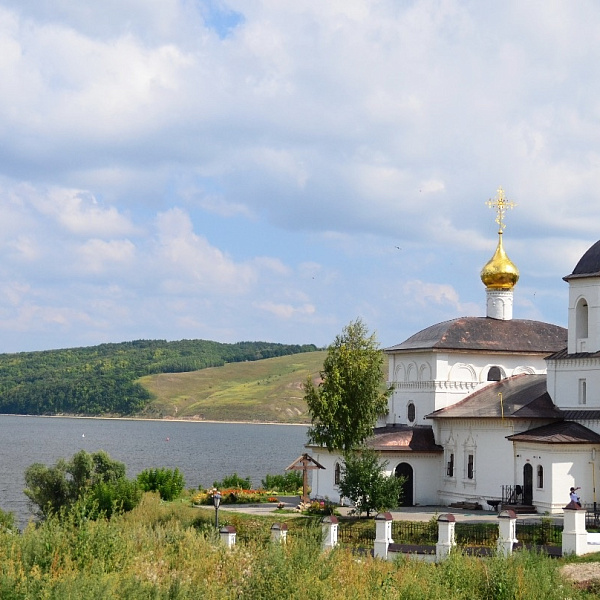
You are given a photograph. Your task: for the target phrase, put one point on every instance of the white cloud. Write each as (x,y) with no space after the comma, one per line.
(99,256)
(81,214)
(286,311)
(189,262)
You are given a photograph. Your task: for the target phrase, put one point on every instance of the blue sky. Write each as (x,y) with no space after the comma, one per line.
(259,170)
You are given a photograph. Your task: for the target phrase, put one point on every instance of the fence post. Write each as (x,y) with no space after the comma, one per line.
(507,531)
(446,539)
(279,532)
(329,527)
(574,538)
(383,534)
(228,534)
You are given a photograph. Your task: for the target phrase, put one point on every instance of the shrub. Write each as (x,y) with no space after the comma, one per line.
(289,482)
(96,478)
(234,482)
(167,482)
(7,521)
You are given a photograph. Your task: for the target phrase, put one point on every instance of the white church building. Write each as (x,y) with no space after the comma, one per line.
(494,408)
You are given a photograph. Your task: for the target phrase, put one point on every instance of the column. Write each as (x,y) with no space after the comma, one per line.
(446,539)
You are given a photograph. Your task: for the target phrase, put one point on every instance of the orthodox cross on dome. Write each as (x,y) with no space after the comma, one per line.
(501,204)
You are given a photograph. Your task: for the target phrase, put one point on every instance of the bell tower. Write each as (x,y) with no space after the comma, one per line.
(584,303)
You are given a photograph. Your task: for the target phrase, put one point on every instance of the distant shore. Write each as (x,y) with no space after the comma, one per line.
(163,420)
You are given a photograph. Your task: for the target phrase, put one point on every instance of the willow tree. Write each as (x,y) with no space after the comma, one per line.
(345,405)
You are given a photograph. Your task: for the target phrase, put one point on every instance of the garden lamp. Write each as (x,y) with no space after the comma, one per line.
(216,502)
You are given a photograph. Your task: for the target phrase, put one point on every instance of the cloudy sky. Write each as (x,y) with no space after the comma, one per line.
(272,169)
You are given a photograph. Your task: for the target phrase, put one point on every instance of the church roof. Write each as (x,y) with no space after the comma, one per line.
(564,355)
(564,432)
(576,414)
(588,265)
(402,438)
(523,397)
(486,334)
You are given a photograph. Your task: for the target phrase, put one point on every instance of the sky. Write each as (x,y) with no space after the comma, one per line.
(272,169)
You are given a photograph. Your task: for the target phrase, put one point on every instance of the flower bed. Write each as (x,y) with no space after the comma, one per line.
(233,496)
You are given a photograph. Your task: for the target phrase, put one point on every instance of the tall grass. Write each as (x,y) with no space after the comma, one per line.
(171,551)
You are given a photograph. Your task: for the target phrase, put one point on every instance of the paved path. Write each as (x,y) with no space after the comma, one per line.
(409,513)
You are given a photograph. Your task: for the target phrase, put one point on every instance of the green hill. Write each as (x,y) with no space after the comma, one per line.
(268,390)
(102,380)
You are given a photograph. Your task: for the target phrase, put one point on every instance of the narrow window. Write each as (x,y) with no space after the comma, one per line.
(470,464)
(450,465)
(411,413)
(337,474)
(540,476)
(582,391)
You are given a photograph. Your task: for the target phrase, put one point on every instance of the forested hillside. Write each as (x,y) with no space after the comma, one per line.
(100,380)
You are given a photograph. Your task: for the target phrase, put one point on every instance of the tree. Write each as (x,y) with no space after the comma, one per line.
(365,484)
(95,477)
(345,406)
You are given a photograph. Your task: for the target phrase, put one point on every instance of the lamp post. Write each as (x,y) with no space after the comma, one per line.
(216,502)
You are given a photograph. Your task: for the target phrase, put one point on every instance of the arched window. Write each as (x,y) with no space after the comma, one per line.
(581,316)
(494,374)
(411,412)
(540,476)
(337,474)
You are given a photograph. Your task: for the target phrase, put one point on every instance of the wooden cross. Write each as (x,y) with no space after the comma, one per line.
(304,463)
(501,204)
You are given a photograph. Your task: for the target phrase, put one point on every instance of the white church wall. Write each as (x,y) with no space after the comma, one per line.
(455,375)
(425,469)
(584,327)
(572,468)
(574,382)
(493,460)
(564,466)
(323,484)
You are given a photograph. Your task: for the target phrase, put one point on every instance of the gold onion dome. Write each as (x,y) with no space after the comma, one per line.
(500,272)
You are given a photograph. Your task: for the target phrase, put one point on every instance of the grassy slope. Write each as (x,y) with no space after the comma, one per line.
(264,390)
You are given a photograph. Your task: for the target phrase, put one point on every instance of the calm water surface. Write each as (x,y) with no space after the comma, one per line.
(203,452)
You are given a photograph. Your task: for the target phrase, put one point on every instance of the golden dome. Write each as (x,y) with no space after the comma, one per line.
(500,273)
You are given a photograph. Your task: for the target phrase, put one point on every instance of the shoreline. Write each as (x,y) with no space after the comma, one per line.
(163,420)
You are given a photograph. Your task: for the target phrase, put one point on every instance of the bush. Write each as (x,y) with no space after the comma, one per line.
(7,521)
(96,478)
(233,482)
(167,482)
(289,482)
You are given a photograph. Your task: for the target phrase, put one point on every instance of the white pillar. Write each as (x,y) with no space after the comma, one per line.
(446,540)
(329,527)
(507,531)
(228,534)
(279,532)
(383,535)
(574,538)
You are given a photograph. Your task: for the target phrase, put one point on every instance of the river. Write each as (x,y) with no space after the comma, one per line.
(203,452)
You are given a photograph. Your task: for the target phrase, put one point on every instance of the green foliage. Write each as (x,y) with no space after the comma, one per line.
(168,483)
(345,406)
(96,478)
(102,379)
(289,482)
(366,485)
(7,521)
(171,551)
(233,482)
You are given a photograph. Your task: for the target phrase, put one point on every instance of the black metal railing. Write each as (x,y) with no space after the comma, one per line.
(542,532)
(512,494)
